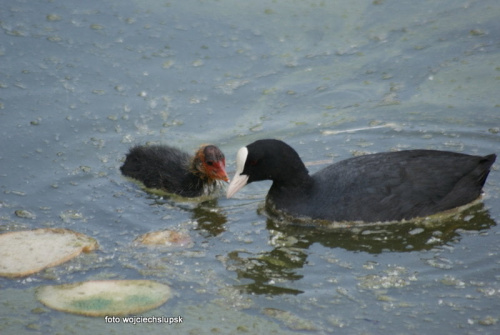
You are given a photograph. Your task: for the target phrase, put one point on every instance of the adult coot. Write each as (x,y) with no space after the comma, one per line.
(378,187)
(174,171)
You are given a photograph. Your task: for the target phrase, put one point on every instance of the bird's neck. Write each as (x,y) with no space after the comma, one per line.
(300,181)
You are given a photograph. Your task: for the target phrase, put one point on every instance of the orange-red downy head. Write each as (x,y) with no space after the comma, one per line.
(210,162)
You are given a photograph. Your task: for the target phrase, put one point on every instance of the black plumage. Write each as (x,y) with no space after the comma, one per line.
(378,187)
(174,171)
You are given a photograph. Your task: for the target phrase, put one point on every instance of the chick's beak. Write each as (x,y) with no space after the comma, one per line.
(219,170)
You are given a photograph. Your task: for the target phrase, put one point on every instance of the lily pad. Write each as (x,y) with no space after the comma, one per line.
(23,253)
(105,297)
(166,238)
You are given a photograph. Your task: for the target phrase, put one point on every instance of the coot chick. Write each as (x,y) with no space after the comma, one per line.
(388,186)
(174,171)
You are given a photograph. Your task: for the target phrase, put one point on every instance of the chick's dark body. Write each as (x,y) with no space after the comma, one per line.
(168,169)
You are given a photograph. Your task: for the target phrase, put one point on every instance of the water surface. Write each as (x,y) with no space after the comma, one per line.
(81,82)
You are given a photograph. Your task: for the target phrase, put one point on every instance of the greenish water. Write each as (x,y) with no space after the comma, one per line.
(81,82)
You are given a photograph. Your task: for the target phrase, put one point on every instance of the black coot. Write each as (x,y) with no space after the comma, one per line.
(174,171)
(379,187)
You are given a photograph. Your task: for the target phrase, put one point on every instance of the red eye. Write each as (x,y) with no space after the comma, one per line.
(253,162)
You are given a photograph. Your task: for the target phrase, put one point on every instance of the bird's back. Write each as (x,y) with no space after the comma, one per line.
(162,167)
(394,186)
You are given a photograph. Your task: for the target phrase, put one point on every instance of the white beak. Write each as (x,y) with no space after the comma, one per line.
(239,180)
(236,184)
